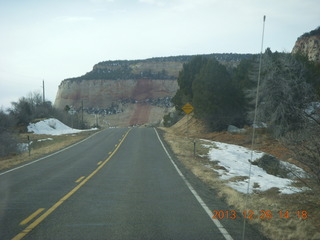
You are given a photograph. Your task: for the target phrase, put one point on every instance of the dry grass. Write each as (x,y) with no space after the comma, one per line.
(40,149)
(271,200)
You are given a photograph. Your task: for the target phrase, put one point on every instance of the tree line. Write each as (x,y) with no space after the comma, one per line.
(289,85)
(121,69)
(27,109)
(222,96)
(315,32)
(211,89)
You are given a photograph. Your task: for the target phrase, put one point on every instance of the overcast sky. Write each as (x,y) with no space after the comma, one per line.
(58,39)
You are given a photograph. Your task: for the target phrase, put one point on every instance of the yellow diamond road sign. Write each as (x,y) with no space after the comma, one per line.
(187,108)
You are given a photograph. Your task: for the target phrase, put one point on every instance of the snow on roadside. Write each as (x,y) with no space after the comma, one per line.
(52,126)
(23,147)
(46,139)
(235,160)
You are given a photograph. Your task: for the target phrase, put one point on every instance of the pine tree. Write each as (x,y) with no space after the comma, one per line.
(216,99)
(284,93)
(185,79)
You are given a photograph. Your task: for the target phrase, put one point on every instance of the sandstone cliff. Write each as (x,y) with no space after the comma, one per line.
(309,45)
(102,93)
(135,80)
(138,91)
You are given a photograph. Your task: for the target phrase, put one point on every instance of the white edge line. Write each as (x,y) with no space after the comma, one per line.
(52,154)
(223,231)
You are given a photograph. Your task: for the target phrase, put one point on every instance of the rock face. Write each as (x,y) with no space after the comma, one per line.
(135,80)
(101,93)
(137,91)
(309,45)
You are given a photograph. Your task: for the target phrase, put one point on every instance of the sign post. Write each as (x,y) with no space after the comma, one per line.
(29,145)
(188,108)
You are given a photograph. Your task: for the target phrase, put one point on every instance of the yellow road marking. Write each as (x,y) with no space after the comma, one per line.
(110,153)
(32,216)
(80,179)
(68,195)
(99,163)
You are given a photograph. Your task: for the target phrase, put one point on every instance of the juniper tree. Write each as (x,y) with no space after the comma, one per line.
(284,93)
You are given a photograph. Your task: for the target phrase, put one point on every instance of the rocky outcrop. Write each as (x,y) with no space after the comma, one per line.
(309,45)
(102,93)
(135,92)
(135,80)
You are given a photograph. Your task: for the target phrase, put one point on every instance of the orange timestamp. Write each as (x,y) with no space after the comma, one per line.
(259,215)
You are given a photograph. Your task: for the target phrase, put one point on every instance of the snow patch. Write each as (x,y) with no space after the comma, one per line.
(23,147)
(235,160)
(45,139)
(52,126)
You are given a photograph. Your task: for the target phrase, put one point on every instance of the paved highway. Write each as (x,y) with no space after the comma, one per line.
(118,184)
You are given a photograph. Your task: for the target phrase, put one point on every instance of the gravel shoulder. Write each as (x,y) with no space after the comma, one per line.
(181,142)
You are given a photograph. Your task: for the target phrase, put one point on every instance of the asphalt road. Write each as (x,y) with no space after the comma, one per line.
(118,184)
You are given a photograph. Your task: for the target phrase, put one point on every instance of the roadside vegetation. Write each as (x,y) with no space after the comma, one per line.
(13,130)
(41,146)
(288,107)
(181,141)
(287,127)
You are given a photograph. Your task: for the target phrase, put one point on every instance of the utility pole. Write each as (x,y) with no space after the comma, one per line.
(43,92)
(253,128)
(82,113)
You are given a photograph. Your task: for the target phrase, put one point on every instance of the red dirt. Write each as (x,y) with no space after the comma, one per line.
(141,114)
(143,90)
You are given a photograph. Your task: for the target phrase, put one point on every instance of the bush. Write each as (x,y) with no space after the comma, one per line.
(305,144)
(284,93)
(171,118)
(8,144)
(208,86)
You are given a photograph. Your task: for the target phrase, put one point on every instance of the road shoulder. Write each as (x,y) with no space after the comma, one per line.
(208,193)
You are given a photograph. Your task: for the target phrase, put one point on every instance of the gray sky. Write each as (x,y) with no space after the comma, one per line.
(58,39)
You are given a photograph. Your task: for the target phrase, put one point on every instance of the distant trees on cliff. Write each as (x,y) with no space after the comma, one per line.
(315,32)
(122,69)
(123,73)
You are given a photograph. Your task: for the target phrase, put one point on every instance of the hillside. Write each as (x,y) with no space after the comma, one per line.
(220,160)
(152,68)
(308,45)
(141,85)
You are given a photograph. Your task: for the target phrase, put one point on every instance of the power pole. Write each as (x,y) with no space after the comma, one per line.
(82,114)
(43,92)
(253,127)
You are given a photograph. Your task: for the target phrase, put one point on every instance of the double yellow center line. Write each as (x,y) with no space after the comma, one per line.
(32,216)
(68,195)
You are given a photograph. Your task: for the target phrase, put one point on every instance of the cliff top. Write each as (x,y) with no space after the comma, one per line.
(315,32)
(165,68)
(308,45)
